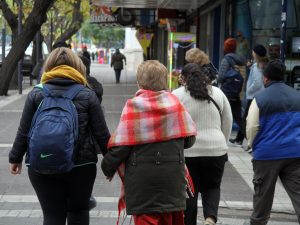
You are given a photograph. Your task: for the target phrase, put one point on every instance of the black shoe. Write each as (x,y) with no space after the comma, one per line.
(249,149)
(92,202)
(235,142)
(232,141)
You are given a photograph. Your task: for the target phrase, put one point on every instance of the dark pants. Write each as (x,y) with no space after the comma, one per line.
(65,196)
(240,135)
(118,75)
(236,108)
(206,173)
(266,173)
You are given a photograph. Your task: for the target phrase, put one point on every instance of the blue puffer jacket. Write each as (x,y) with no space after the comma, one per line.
(279,118)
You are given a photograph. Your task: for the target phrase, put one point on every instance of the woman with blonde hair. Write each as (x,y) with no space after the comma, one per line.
(63,193)
(149,141)
(195,55)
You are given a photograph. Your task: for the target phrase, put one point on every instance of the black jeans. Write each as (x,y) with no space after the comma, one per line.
(65,196)
(118,75)
(240,135)
(206,173)
(236,108)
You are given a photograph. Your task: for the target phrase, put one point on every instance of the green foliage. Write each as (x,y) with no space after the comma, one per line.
(105,37)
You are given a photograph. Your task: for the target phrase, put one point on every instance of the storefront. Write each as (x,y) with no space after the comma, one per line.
(260,22)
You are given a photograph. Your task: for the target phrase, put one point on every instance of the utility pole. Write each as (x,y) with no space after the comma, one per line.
(3,38)
(283,30)
(20,15)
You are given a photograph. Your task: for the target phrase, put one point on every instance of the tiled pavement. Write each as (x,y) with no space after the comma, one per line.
(18,204)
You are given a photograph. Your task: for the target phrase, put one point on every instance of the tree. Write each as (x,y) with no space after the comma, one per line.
(106,37)
(68,18)
(32,25)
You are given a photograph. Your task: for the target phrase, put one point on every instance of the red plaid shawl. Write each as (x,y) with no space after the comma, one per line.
(151,117)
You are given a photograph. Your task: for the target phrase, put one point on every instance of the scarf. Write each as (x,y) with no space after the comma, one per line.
(151,117)
(64,71)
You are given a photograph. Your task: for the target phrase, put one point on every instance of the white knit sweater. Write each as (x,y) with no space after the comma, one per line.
(213,131)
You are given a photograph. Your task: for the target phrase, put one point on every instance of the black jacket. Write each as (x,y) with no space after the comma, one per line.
(92,125)
(154,175)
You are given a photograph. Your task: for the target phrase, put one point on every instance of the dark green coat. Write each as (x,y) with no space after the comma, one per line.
(117,61)
(154,175)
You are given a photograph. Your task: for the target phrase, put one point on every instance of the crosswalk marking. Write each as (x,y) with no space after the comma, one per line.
(38,213)
(6,145)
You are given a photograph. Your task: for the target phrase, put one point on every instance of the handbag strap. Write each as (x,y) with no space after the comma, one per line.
(214,102)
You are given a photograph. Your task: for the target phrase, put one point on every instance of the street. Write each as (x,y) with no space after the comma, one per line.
(18,202)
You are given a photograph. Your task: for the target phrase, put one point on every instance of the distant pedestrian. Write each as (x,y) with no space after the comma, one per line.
(243,48)
(149,141)
(210,110)
(255,81)
(93,56)
(117,64)
(92,81)
(273,131)
(233,60)
(85,53)
(62,196)
(195,55)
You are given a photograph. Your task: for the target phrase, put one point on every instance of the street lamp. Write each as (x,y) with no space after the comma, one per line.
(20,14)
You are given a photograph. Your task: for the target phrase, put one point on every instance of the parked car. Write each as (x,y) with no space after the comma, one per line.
(28,69)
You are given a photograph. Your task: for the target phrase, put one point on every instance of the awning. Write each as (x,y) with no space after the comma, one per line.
(152,4)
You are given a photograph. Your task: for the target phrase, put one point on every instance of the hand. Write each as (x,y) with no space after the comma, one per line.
(15,168)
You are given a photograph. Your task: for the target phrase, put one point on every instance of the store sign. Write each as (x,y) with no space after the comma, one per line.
(102,15)
(184,37)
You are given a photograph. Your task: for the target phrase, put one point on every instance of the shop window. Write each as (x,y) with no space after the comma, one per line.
(266,14)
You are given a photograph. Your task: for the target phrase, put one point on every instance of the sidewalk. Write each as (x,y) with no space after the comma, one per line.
(18,203)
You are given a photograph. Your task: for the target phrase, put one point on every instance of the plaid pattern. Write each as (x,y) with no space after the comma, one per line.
(152,117)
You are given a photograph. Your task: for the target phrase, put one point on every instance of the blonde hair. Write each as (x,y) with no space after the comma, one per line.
(152,75)
(64,56)
(195,55)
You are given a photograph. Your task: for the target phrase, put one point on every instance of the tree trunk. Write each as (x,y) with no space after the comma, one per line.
(32,24)
(75,25)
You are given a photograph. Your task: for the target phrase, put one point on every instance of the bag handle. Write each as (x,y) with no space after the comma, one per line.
(218,108)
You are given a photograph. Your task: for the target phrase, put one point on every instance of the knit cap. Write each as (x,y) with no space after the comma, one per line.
(229,45)
(260,50)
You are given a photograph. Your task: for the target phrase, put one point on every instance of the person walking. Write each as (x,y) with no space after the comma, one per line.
(195,55)
(273,131)
(85,53)
(149,141)
(117,64)
(62,196)
(233,60)
(255,80)
(242,48)
(210,110)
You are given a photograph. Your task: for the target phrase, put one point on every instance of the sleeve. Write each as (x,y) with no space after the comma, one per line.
(226,124)
(112,61)
(21,141)
(189,141)
(252,122)
(224,67)
(98,124)
(256,83)
(114,157)
(124,59)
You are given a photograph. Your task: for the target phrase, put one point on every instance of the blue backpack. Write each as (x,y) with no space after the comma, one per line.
(53,132)
(233,82)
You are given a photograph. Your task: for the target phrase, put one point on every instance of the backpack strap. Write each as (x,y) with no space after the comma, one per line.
(73,91)
(230,61)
